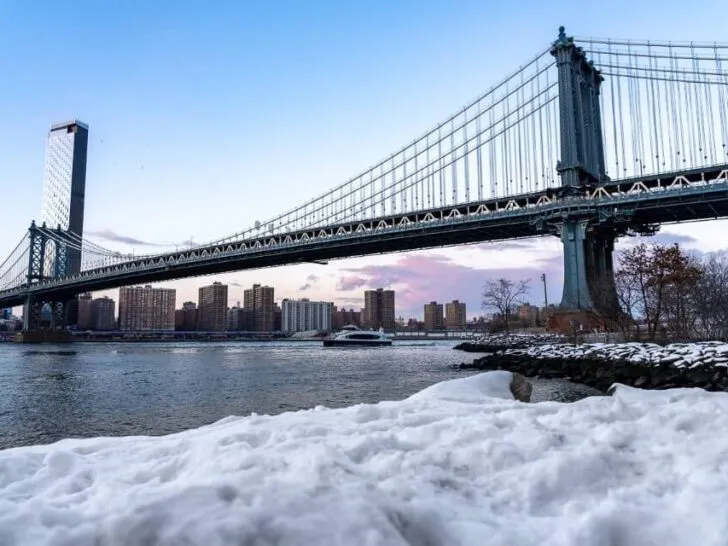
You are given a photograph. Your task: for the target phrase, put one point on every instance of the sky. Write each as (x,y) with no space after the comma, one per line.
(207,116)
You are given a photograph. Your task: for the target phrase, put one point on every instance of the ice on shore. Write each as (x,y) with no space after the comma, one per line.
(460,463)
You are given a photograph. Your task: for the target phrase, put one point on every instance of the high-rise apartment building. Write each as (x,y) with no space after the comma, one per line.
(378,309)
(83,314)
(102,314)
(304,315)
(64,184)
(235,318)
(185,319)
(277,318)
(146,308)
(455,316)
(433,316)
(259,300)
(344,317)
(212,305)
(528,314)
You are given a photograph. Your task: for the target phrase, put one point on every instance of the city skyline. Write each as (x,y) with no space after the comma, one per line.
(144,308)
(214,302)
(145,166)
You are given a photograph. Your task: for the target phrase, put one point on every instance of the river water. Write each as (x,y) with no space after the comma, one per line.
(48,392)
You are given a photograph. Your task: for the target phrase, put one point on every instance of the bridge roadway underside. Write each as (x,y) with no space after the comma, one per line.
(677,205)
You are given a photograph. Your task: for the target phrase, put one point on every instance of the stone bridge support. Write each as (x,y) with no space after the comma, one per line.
(588,268)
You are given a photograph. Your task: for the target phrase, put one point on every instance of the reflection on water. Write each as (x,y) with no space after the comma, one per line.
(157,388)
(51,353)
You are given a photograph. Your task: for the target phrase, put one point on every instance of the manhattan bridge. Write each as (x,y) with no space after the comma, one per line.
(590,140)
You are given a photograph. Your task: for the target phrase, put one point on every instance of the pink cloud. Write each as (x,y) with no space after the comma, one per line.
(421,278)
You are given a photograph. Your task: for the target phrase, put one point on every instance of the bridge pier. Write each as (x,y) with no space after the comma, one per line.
(588,267)
(588,239)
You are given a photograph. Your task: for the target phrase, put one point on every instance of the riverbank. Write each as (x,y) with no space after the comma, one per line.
(642,365)
(493,343)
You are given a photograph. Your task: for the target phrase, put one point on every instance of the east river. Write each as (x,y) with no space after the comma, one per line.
(48,392)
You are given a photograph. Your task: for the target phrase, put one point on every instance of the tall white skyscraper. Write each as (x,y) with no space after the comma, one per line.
(64,182)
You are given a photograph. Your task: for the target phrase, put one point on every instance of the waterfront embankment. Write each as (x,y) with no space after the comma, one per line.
(643,365)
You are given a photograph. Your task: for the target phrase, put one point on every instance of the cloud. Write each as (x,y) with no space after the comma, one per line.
(661,238)
(350,303)
(518,244)
(112,236)
(311,280)
(420,278)
(108,235)
(350,282)
(189,243)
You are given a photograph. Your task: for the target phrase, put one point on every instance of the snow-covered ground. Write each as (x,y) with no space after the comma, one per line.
(679,355)
(521,340)
(459,463)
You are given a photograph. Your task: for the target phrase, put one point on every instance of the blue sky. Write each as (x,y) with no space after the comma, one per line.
(208,116)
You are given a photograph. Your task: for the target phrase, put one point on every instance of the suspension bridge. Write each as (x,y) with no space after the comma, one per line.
(590,140)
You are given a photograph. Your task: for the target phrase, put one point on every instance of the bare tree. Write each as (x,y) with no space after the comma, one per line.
(503,295)
(655,284)
(710,298)
(627,297)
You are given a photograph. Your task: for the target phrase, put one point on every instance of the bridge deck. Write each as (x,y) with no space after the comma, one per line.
(667,198)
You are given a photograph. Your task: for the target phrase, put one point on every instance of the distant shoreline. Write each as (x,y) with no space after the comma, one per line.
(213,339)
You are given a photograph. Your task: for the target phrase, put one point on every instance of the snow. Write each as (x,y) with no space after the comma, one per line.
(678,355)
(460,463)
(521,339)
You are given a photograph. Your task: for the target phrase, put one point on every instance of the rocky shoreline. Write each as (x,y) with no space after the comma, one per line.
(644,366)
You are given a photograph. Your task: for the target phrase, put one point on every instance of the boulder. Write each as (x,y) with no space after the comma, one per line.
(521,387)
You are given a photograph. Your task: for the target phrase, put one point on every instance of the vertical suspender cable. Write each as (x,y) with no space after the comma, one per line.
(430,176)
(493,157)
(382,189)
(613,124)
(393,189)
(542,179)
(534,148)
(680,111)
(466,163)
(506,145)
(711,123)
(403,190)
(479,153)
(698,109)
(654,138)
(519,129)
(722,104)
(549,143)
(419,178)
(440,168)
(454,166)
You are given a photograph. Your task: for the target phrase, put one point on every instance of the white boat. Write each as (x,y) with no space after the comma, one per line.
(351,335)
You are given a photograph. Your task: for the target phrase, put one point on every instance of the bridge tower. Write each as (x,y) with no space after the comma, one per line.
(588,243)
(41,248)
